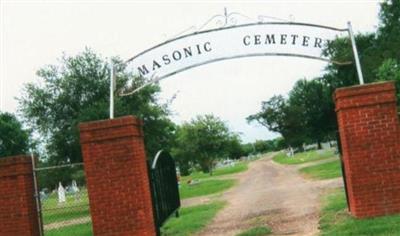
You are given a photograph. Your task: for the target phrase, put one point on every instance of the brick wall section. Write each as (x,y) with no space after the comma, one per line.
(117,179)
(18,214)
(369,132)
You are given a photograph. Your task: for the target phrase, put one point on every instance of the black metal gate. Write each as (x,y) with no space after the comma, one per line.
(164,188)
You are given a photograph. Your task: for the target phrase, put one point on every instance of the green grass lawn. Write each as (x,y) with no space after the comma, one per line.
(239,167)
(326,170)
(191,219)
(256,231)
(52,211)
(63,214)
(336,221)
(75,230)
(204,187)
(207,185)
(303,157)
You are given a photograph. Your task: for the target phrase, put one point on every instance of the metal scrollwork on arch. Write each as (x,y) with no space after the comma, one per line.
(228,19)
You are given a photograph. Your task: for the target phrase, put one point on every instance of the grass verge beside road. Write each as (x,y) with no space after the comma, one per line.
(204,187)
(191,219)
(238,167)
(328,170)
(335,220)
(256,231)
(303,157)
(204,184)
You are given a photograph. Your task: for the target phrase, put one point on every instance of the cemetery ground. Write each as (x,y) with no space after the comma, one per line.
(268,196)
(273,195)
(278,195)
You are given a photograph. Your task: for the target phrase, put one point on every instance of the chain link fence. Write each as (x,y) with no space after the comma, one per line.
(63,200)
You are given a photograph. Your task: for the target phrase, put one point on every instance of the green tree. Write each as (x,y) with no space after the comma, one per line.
(203,140)
(279,143)
(14,140)
(184,151)
(77,90)
(248,148)
(235,149)
(341,75)
(389,70)
(263,146)
(374,49)
(388,40)
(317,109)
(278,115)
(306,116)
(272,114)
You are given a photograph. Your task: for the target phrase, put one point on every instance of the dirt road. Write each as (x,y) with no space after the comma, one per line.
(274,195)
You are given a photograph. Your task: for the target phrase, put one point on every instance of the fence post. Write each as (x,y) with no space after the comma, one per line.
(117,177)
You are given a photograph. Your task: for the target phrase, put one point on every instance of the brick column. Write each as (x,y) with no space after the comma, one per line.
(117,179)
(369,132)
(18,213)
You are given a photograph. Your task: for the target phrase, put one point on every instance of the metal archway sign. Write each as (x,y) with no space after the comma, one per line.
(247,40)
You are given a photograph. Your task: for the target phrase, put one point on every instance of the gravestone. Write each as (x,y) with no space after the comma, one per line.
(61,193)
(75,190)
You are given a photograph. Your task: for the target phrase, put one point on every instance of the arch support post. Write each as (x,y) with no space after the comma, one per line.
(369,133)
(117,177)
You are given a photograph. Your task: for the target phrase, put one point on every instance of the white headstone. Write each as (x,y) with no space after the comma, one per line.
(61,193)
(75,188)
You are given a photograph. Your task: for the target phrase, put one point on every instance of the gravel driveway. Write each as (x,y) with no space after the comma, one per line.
(273,195)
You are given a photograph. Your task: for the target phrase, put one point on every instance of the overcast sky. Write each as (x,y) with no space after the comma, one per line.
(36,33)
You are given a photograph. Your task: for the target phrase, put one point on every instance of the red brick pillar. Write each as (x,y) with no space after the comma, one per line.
(18,213)
(369,132)
(117,179)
